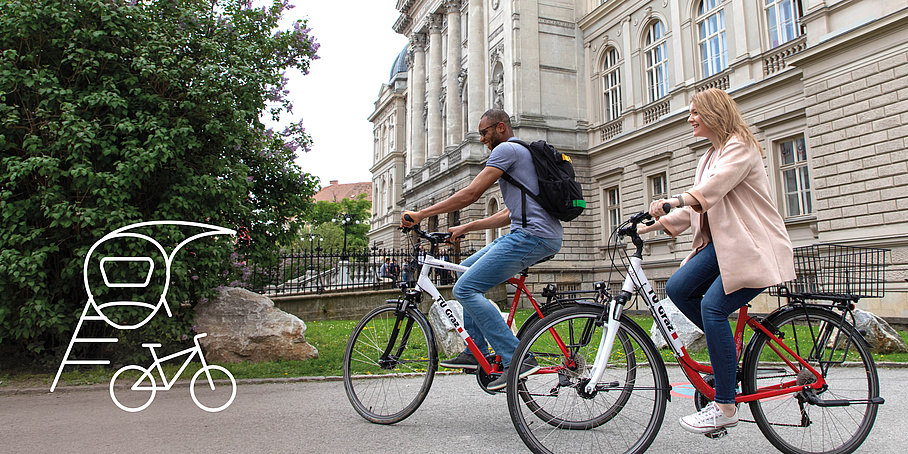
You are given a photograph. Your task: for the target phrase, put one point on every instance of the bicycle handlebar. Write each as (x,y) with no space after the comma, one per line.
(434,237)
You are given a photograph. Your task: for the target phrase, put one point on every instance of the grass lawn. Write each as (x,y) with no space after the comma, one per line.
(329,337)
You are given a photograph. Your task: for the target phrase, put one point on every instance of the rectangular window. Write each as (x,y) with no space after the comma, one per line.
(656,61)
(795,177)
(713,51)
(658,187)
(612,209)
(782,18)
(611,86)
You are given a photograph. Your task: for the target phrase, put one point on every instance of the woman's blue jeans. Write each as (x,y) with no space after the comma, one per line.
(492,265)
(696,289)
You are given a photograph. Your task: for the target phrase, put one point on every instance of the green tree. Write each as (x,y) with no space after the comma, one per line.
(323,219)
(114,112)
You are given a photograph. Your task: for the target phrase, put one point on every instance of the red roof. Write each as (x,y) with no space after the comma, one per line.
(336,192)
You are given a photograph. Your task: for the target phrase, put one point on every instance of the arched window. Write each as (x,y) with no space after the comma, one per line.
(711,26)
(611,86)
(656,61)
(782,18)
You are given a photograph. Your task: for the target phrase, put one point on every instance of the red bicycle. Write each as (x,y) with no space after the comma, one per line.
(391,356)
(806,372)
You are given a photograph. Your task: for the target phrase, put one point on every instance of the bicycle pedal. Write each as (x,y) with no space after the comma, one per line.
(717,434)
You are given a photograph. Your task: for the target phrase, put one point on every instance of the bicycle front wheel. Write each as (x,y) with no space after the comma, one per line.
(389,364)
(551,409)
(802,422)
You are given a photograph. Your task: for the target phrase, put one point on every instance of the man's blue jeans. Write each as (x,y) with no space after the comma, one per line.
(492,265)
(696,289)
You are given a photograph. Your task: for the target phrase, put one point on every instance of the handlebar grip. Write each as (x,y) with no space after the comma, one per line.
(408,218)
(666,207)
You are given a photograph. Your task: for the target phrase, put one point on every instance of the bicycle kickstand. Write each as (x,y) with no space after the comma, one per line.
(715,435)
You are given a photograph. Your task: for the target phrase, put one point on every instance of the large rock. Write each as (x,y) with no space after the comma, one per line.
(245,326)
(446,337)
(690,335)
(881,337)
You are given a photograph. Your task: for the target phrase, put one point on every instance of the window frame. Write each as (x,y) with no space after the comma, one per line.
(712,60)
(609,208)
(774,7)
(651,46)
(800,167)
(610,77)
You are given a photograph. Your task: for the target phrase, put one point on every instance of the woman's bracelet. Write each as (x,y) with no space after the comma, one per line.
(680,198)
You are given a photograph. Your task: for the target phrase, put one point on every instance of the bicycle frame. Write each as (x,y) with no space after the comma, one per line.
(425,284)
(636,279)
(156,365)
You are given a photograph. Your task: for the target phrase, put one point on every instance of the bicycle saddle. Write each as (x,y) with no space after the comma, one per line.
(526,270)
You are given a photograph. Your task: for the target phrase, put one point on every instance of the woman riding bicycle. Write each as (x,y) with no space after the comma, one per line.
(740,244)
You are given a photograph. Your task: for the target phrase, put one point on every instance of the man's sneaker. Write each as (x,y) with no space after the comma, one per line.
(709,419)
(465,360)
(528,367)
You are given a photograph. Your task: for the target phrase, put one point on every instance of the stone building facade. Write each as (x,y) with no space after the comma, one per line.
(823,83)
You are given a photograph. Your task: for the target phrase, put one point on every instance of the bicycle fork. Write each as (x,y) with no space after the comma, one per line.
(387,360)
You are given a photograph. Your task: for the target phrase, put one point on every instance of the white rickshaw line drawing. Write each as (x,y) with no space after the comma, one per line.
(124,232)
(146,381)
(127,259)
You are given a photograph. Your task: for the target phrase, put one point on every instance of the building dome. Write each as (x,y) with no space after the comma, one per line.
(400,65)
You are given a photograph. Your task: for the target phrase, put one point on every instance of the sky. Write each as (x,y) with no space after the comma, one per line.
(358,48)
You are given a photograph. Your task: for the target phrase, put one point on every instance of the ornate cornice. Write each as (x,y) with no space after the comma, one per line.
(402,24)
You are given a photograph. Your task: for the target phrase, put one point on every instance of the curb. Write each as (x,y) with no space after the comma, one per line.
(266,381)
(178,384)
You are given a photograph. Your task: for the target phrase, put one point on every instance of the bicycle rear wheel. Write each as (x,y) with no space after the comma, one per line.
(795,423)
(551,410)
(389,366)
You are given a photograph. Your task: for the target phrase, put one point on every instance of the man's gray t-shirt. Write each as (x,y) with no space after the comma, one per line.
(515,160)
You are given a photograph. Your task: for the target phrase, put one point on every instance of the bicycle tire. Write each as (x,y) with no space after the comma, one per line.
(550,409)
(553,420)
(386,392)
(792,425)
(195,397)
(127,404)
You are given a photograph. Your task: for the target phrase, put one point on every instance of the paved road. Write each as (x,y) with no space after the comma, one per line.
(316,417)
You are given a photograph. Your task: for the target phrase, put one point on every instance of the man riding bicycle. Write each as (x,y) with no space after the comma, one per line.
(534,235)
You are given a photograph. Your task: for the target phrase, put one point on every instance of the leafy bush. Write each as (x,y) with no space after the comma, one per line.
(114,112)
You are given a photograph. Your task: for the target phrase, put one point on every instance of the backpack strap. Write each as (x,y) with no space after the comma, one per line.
(523,189)
(523,194)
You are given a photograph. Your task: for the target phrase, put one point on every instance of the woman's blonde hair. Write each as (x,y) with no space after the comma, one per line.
(721,115)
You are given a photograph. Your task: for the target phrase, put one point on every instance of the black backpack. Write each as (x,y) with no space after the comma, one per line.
(559,192)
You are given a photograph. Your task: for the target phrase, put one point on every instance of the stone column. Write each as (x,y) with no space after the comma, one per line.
(434,87)
(417,99)
(453,105)
(476,69)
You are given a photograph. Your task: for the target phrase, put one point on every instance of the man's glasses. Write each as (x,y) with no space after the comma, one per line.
(482,132)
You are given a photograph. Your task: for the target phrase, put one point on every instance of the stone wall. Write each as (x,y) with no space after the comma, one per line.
(856,95)
(354,305)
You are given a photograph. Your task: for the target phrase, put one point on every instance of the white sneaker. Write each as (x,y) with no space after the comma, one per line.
(709,419)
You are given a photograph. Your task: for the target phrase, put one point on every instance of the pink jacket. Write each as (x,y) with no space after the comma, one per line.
(752,244)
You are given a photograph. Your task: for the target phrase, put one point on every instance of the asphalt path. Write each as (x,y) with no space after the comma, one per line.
(315,417)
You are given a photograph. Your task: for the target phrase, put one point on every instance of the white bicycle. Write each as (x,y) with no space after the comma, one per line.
(138,392)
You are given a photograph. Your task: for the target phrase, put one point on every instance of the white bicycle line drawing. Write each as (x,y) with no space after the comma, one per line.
(145,383)
(99,315)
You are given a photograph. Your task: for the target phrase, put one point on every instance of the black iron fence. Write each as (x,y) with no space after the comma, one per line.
(303,272)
